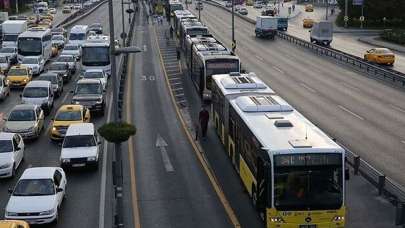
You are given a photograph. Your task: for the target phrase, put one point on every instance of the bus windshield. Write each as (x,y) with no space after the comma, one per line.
(96,56)
(197,31)
(77,36)
(308,182)
(10,37)
(220,66)
(29,46)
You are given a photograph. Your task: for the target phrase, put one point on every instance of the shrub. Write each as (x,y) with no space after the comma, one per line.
(117,132)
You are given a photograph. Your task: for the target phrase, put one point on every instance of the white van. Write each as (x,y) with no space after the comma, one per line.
(78,34)
(39,93)
(80,146)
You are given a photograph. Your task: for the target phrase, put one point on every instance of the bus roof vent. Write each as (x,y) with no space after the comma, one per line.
(283,123)
(300,143)
(242,82)
(260,103)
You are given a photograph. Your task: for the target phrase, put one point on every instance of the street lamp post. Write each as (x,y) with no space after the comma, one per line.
(233,27)
(123,35)
(346,11)
(327,8)
(199,4)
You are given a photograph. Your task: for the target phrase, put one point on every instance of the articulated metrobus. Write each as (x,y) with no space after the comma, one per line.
(173,6)
(96,53)
(178,17)
(229,86)
(193,28)
(191,41)
(208,59)
(35,42)
(293,172)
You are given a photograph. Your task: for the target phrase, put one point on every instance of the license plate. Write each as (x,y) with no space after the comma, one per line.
(78,165)
(307,226)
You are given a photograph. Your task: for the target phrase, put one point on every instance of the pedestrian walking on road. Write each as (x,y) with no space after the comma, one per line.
(171,32)
(293,7)
(204,117)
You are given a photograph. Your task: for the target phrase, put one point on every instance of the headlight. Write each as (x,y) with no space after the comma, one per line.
(54,129)
(338,218)
(25,80)
(47,212)
(91,158)
(5,166)
(65,160)
(8,213)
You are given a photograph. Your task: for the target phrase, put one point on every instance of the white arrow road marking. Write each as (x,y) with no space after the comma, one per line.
(161,145)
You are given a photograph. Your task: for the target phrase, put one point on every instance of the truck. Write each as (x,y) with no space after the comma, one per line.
(282,23)
(3,17)
(266,26)
(11,29)
(322,33)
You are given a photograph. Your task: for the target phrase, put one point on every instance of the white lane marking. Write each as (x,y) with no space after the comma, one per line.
(308,88)
(161,145)
(398,108)
(259,58)
(350,112)
(103,185)
(349,86)
(65,97)
(278,69)
(145,48)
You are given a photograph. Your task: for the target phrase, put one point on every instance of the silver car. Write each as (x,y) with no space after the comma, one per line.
(25,119)
(4,64)
(56,81)
(58,41)
(72,49)
(10,52)
(69,59)
(4,88)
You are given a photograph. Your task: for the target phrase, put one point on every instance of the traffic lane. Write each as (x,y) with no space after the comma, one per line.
(353,132)
(182,197)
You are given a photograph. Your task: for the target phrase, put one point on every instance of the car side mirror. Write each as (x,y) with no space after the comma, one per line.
(59,190)
(347,174)
(10,190)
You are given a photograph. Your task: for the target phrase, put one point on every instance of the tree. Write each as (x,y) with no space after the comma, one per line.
(117,132)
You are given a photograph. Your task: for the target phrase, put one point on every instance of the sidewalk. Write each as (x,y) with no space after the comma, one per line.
(377,41)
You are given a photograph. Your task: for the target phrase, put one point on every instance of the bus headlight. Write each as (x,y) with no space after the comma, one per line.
(277,219)
(338,218)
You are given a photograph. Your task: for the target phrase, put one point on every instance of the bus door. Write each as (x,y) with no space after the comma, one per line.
(262,185)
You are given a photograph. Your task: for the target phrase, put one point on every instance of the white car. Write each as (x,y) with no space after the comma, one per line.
(25,119)
(4,88)
(10,52)
(80,146)
(72,49)
(258,5)
(52,10)
(69,59)
(4,64)
(11,153)
(58,41)
(77,7)
(35,63)
(96,74)
(37,196)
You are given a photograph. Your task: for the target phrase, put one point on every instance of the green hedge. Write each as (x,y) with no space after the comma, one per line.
(395,36)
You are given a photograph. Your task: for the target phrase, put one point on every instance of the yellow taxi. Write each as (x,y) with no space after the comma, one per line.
(309,8)
(308,23)
(380,56)
(249,3)
(19,76)
(66,115)
(47,16)
(13,224)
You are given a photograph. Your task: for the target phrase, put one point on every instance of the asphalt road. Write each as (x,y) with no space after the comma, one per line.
(364,114)
(347,42)
(81,208)
(172,188)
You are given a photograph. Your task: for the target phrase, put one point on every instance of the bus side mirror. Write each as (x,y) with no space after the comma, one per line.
(347,174)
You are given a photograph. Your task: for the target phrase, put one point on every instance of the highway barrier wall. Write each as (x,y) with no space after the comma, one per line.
(387,187)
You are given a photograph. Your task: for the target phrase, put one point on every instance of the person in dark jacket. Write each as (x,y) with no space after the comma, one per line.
(204,117)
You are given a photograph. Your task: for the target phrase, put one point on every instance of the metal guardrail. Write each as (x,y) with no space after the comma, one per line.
(72,18)
(386,187)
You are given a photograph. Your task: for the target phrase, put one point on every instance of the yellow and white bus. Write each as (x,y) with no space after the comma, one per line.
(293,172)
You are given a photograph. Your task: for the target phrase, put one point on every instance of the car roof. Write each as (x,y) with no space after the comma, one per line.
(38,84)
(19,67)
(70,107)
(6,135)
(48,73)
(39,173)
(24,107)
(80,129)
(88,81)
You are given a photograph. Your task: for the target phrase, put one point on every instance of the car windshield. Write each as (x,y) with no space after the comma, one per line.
(22,115)
(71,47)
(64,59)
(57,37)
(308,182)
(79,141)
(34,187)
(383,51)
(93,75)
(7,50)
(88,88)
(77,36)
(30,61)
(6,146)
(50,78)
(34,92)
(18,72)
(57,67)
(68,116)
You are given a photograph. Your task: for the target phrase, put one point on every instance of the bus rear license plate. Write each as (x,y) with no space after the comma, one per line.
(307,226)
